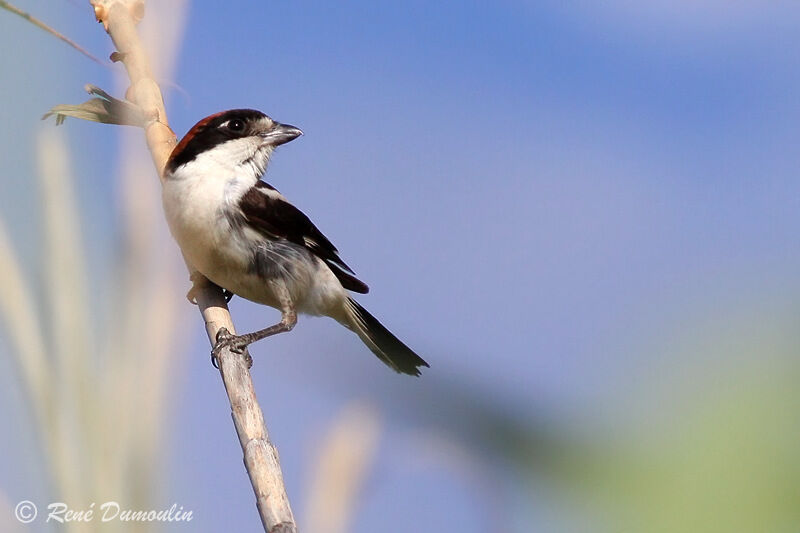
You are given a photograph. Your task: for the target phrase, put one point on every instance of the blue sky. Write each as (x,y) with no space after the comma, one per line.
(544,199)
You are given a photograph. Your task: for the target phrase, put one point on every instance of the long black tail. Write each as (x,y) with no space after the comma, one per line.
(380,340)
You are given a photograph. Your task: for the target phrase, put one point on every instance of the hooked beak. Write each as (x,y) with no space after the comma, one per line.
(280,134)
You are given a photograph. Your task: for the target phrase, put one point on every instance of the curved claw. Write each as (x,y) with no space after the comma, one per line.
(236,344)
(223,338)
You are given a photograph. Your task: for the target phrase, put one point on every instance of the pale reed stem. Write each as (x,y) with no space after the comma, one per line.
(119,17)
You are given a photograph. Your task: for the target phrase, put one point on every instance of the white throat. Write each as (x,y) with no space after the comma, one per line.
(225,172)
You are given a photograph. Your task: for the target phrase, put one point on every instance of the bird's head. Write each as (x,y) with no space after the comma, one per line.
(230,140)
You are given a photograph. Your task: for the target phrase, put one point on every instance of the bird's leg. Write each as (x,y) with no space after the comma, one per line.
(239,343)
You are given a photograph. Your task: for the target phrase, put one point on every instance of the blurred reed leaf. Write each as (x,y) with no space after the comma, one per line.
(345,456)
(98,400)
(104,109)
(21,320)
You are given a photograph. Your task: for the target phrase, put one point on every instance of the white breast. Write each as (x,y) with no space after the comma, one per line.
(195,198)
(195,210)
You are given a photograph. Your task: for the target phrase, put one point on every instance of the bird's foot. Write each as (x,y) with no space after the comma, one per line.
(236,343)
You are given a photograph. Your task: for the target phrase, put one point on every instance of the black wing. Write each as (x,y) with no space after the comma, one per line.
(266,211)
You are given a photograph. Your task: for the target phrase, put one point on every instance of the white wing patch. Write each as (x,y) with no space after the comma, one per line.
(271,193)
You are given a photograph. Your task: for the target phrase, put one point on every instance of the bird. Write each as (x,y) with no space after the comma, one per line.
(243,235)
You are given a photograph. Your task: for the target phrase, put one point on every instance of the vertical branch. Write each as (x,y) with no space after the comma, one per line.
(119,18)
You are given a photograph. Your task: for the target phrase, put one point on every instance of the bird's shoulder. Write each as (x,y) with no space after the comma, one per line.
(267,211)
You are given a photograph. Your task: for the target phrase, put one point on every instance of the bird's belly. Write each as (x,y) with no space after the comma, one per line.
(252,266)
(254,272)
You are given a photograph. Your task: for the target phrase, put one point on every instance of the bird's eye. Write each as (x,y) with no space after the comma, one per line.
(236,125)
